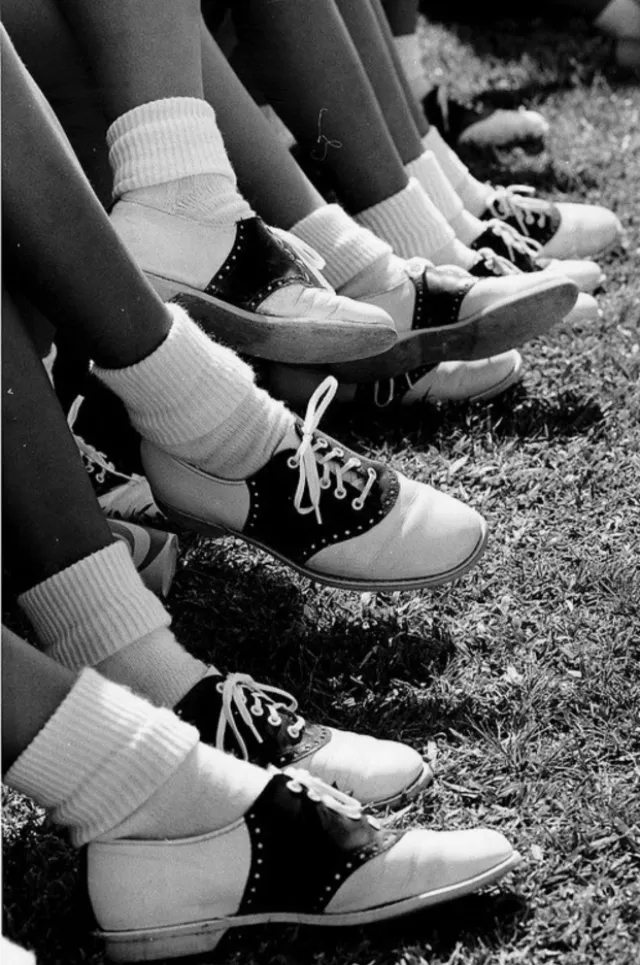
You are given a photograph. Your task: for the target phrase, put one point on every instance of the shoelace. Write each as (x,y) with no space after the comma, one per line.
(234,690)
(307,459)
(311,258)
(316,790)
(517,244)
(96,461)
(497,264)
(517,201)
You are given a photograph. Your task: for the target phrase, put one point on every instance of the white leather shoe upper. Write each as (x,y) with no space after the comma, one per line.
(422,861)
(585,230)
(467,381)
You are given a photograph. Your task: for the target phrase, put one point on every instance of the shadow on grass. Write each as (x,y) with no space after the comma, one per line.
(516,414)
(478,921)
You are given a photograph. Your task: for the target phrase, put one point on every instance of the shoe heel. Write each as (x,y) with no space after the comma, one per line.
(151,946)
(192,523)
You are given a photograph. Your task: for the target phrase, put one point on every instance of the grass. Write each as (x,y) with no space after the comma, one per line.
(526,673)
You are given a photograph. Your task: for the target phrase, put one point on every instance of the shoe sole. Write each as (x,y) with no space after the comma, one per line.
(293,340)
(496,329)
(218,530)
(175,941)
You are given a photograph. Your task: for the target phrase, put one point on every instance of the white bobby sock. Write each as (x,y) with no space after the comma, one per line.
(170,154)
(432,178)
(474,193)
(198,400)
(108,764)
(346,247)
(410,54)
(98,613)
(411,223)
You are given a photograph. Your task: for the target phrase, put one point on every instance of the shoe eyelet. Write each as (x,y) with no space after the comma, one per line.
(325,484)
(340,493)
(357,504)
(292,462)
(339,453)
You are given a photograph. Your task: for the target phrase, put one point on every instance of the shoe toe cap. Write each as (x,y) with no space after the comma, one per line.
(467,381)
(587,275)
(585,230)
(431,864)
(372,771)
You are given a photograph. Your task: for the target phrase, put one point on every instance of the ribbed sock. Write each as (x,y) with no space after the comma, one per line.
(410,54)
(198,401)
(474,193)
(98,613)
(169,154)
(347,247)
(108,764)
(428,172)
(410,222)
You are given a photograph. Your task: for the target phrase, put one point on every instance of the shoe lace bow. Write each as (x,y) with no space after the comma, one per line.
(308,255)
(310,456)
(517,243)
(251,701)
(517,201)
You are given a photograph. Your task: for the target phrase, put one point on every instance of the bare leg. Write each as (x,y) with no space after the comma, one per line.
(110,307)
(376,57)
(33,687)
(52,518)
(140,51)
(321,91)
(268,176)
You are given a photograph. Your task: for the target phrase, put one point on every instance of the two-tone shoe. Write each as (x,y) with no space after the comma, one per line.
(457,317)
(303,854)
(489,120)
(526,255)
(257,289)
(331,514)
(447,382)
(564,229)
(260,724)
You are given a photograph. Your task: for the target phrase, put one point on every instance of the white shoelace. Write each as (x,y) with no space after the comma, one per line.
(233,691)
(95,461)
(517,201)
(516,243)
(323,793)
(307,459)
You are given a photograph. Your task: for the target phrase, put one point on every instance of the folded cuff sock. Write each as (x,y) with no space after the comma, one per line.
(347,247)
(102,754)
(410,222)
(94,608)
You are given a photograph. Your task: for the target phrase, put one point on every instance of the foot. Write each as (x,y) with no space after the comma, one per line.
(447,382)
(334,516)
(303,854)
(260,724)
(456,317)
(475,122)
(526,255)
(250,287)
(563,230)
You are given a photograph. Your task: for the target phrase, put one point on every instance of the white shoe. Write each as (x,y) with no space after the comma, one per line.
(257,289)
(303,854)
(564,230)
(455,316)
(502,127)
(525,254)
(260,724)
(447,382)
(334,516)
